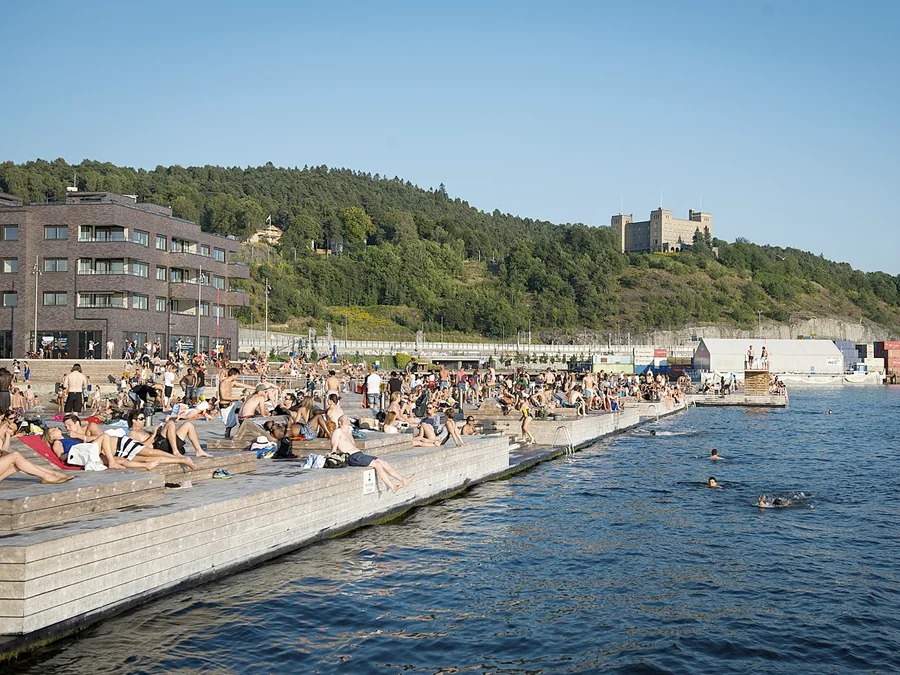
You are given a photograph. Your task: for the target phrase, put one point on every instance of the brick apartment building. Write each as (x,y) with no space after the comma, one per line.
(109,267)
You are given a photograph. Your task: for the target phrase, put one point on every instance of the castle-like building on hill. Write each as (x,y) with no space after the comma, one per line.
(662,233)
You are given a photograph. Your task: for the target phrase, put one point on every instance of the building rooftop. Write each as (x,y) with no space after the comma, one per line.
(9,200)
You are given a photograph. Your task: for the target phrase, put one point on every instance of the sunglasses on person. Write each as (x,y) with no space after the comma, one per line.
(140,417)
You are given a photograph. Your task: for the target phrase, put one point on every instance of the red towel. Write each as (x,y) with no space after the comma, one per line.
(37,444)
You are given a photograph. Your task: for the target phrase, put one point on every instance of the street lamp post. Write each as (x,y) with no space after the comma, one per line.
(199,305)
(759,322)
(36,271)
(266,281)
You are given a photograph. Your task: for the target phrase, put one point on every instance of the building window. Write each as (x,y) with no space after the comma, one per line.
(140,301)
(101,266)
(56,264)
(176,276)
(182,246)
(219,311)
(160,243)
(10,265)
(102,300)
(9,233)
(160,304)
(219,254)
(160,273)
(140,269)
(10,299)
(52,298)
(142,238)
(219,282)
(101,233)
(202,279)
(204,309)
(56,232)
(204,250)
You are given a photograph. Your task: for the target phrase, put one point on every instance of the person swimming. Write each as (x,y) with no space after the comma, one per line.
(763,503)
(713,483)
(714,454)
(653,432)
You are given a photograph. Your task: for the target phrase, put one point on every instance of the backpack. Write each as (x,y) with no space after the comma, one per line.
(284,449)
(336,460)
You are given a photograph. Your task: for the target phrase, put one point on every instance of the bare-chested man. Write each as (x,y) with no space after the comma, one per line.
(255,404)
(332,384)
(342,441)
(227,400)
(74,383)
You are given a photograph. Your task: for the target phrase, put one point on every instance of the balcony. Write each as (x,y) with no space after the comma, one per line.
(238,270)
(189,290)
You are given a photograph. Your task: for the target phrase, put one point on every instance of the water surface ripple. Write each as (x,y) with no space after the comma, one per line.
(620,560)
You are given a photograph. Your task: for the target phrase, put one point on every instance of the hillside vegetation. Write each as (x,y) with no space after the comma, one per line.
(425,259)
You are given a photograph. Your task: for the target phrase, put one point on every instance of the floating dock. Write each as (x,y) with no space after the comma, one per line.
(77,553)
(755,393)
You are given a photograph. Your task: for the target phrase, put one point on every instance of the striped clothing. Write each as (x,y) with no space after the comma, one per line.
(127,448)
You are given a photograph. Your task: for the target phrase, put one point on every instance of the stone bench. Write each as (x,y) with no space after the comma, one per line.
(234,462)
(248,431)
(376,442)
(25,502)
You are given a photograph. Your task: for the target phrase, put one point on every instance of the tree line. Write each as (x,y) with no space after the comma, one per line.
(468,270)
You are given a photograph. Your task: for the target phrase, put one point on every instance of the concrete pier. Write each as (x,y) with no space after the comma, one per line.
(63,576)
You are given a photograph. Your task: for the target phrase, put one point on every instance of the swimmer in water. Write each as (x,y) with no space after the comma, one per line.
(714,454)
(652,432)
(762,503)
(829,412)
(713,483)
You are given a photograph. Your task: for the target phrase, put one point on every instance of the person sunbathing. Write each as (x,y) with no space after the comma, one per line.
(313,417)
(205,410)
(13,462)
(342,441)
(82,431)
(133,451)
(432,432)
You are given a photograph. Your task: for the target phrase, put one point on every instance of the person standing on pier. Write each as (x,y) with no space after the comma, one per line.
(74,383)
(750,357)
(527,438)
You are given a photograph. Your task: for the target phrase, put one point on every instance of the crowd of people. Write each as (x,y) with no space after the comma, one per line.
(305,397)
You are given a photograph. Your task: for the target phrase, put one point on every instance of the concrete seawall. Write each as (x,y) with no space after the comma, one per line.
(62,577)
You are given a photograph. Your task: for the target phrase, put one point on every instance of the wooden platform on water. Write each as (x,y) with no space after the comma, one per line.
(739,400)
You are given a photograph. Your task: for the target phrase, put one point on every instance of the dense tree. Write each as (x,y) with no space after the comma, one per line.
(491,273)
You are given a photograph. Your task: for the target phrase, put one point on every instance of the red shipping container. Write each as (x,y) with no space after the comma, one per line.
(661,353)
(887,345)
(893,364)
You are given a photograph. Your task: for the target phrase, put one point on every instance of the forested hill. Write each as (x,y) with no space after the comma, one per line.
(426,258)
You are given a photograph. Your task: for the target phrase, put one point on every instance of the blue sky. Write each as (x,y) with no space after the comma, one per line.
(782,115)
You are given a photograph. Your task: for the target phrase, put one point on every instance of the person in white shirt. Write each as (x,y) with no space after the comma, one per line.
(373,388)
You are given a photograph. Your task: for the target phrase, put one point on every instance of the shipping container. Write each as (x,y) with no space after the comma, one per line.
(893,365)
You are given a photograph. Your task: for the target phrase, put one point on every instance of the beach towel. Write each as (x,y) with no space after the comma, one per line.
(37,444)
(86,455)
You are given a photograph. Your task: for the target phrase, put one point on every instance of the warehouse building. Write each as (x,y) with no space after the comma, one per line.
(804,357)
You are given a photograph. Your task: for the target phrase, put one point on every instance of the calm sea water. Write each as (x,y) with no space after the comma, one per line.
(620,560)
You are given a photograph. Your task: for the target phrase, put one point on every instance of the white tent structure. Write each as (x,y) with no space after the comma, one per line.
(801,357)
